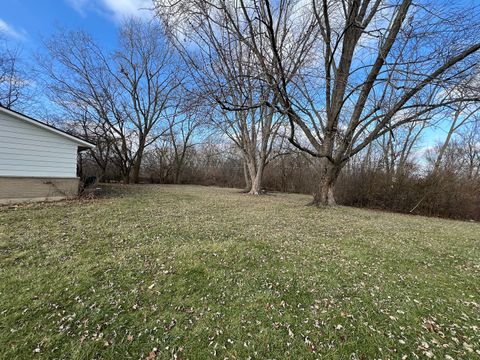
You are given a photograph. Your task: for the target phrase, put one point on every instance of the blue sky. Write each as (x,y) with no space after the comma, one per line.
(26,22)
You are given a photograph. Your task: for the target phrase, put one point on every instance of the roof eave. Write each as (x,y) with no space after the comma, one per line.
(82,144)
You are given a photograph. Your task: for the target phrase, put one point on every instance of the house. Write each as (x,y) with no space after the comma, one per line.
(37,161)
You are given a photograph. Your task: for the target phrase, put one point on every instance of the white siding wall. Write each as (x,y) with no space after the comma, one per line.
(28,150)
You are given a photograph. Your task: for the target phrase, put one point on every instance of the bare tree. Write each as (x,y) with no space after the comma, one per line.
(398,146)
(226,71)
(126,93)
(344,72)
(458,115)
(80,82)
(94,131)
(149,77)
(256,134)
(183,126)
(471,147)
(13,78)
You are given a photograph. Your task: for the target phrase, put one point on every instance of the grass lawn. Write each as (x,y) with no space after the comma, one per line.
(160,272)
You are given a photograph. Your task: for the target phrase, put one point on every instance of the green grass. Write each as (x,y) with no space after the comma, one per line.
(194,273)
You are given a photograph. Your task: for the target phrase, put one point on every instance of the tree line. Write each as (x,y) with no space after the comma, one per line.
(335,98)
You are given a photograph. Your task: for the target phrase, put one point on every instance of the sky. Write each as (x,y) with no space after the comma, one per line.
(25,23)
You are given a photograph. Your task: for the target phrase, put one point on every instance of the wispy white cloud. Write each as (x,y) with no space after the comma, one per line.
(80,6)
(10,31)
(116,10)
(121,9)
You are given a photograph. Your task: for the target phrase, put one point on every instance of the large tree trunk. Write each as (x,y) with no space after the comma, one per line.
(101,174)
(136,170)
(138,164)
(256,188)
(328,175)
(177,173)
(138,161)
(255,173)
(252,174)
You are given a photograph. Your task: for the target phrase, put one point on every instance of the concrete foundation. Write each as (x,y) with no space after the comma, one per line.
(28,189)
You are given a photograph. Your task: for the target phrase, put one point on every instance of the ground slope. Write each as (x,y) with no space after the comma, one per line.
(196,273)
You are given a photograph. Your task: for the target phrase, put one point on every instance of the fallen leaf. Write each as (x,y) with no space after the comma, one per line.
(152,355)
